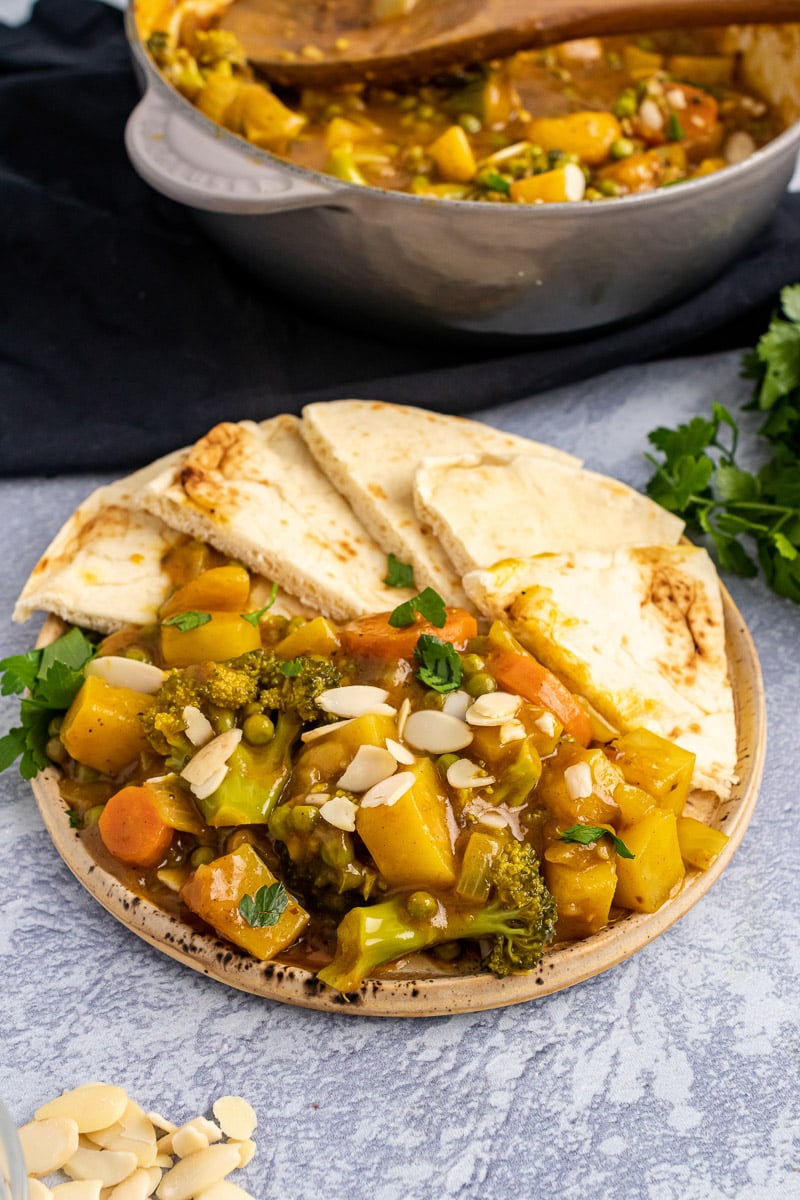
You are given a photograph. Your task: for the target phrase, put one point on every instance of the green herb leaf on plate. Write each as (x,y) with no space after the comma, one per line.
(398,574)
(266,907)
(254,617)
(440,663)
(586,835)
(187,621)
(429,604)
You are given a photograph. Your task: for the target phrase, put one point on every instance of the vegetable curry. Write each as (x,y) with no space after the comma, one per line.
(585,120)
(341,796)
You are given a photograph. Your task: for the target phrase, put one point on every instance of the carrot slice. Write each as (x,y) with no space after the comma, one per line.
(523,674)
(374,637)
(132,828)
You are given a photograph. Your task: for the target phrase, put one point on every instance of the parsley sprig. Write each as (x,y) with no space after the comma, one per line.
(430,606)
(439,663)
(266,907)
(587,835)
(51,676)
(752,518)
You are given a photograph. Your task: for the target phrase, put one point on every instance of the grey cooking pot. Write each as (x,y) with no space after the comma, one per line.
(386,261)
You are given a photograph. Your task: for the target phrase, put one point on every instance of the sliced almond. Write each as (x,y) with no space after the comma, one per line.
(211,757)
(578,780)
(547,723)
(340,812)
(369,765)
(236,1118)
(456,704)
(210,784)
(247,1149)
(198,1172)
(436,732)
(188,1140)
(224,1190)
(199,729)
(38,1191)
(355,700)
(109,1166)
(162,1122)
(91,1106)
(48,1143)
(465,774)
(122,672)
(403,713)
(78,1189)
(137,1186)
(511,731)
(311,735)
(495,708)
(388,791)
(400,753)
(134,1132)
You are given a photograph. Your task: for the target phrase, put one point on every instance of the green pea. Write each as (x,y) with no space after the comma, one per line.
(407,103)
(426,112)
(621,148)
(625,105)
(446,760)
(481,684)
(258,729)
(472,664)
(470,123)
(239,837)
(448,951)
(222,719)
(337,851)
(54,728)
(137,654)
(305,818)
(202,856)
(295,623)
(56,751)
(86,774)
(422,905)
(609,187)
(252,709)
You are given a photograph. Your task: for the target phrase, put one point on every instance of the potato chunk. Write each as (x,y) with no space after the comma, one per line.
(645,881)
(410,839)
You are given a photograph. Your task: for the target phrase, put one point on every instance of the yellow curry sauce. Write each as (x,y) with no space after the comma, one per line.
(589,119)
(423,769)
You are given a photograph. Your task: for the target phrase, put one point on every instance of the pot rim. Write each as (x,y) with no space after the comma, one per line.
(756,163)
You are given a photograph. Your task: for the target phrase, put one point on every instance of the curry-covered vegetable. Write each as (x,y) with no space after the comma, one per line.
(589,119)
(346,795)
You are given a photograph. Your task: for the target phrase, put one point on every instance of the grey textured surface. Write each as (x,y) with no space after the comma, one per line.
(671,1077)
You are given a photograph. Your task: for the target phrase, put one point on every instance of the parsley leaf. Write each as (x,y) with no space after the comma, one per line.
(429,604)
(266,907)
(186,621)
(291,667)
(751,519)
(398,574)
(52,677)
(255,617)
(440,663)
(674,128)
(585,835)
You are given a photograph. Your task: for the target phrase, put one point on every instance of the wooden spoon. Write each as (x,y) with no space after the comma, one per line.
(319,43)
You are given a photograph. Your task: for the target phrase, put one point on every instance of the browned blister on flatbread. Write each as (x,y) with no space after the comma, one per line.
(255,493)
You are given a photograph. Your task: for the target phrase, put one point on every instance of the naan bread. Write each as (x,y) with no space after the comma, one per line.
(103,568)
(486,509)
(254,492)
(639,632)
(370,450)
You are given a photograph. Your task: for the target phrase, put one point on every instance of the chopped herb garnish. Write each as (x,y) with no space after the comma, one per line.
(585,835)
(700,479)
(398,574)
(255,617)
(429,604)
(75,819)
(266,907)
(675,131)
(186,621)
(52,676)
(496,182)
(291,667)
(440,663)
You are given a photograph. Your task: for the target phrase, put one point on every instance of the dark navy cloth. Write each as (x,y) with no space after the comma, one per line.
(125,333)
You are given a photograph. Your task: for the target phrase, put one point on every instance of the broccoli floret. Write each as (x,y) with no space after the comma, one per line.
(518,921)
(296,685)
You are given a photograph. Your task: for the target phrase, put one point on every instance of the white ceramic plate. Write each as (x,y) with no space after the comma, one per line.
(418,987)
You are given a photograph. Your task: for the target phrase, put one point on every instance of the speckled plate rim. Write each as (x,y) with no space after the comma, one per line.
(415,989)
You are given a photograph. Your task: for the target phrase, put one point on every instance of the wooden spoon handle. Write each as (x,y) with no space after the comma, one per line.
(324,42)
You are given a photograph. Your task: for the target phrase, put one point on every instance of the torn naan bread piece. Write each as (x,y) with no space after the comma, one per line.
(103,569)
(255,493)
(639,632)
(370,451)
(483,509)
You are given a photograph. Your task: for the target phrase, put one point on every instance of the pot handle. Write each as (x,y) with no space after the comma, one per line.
(179,158)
